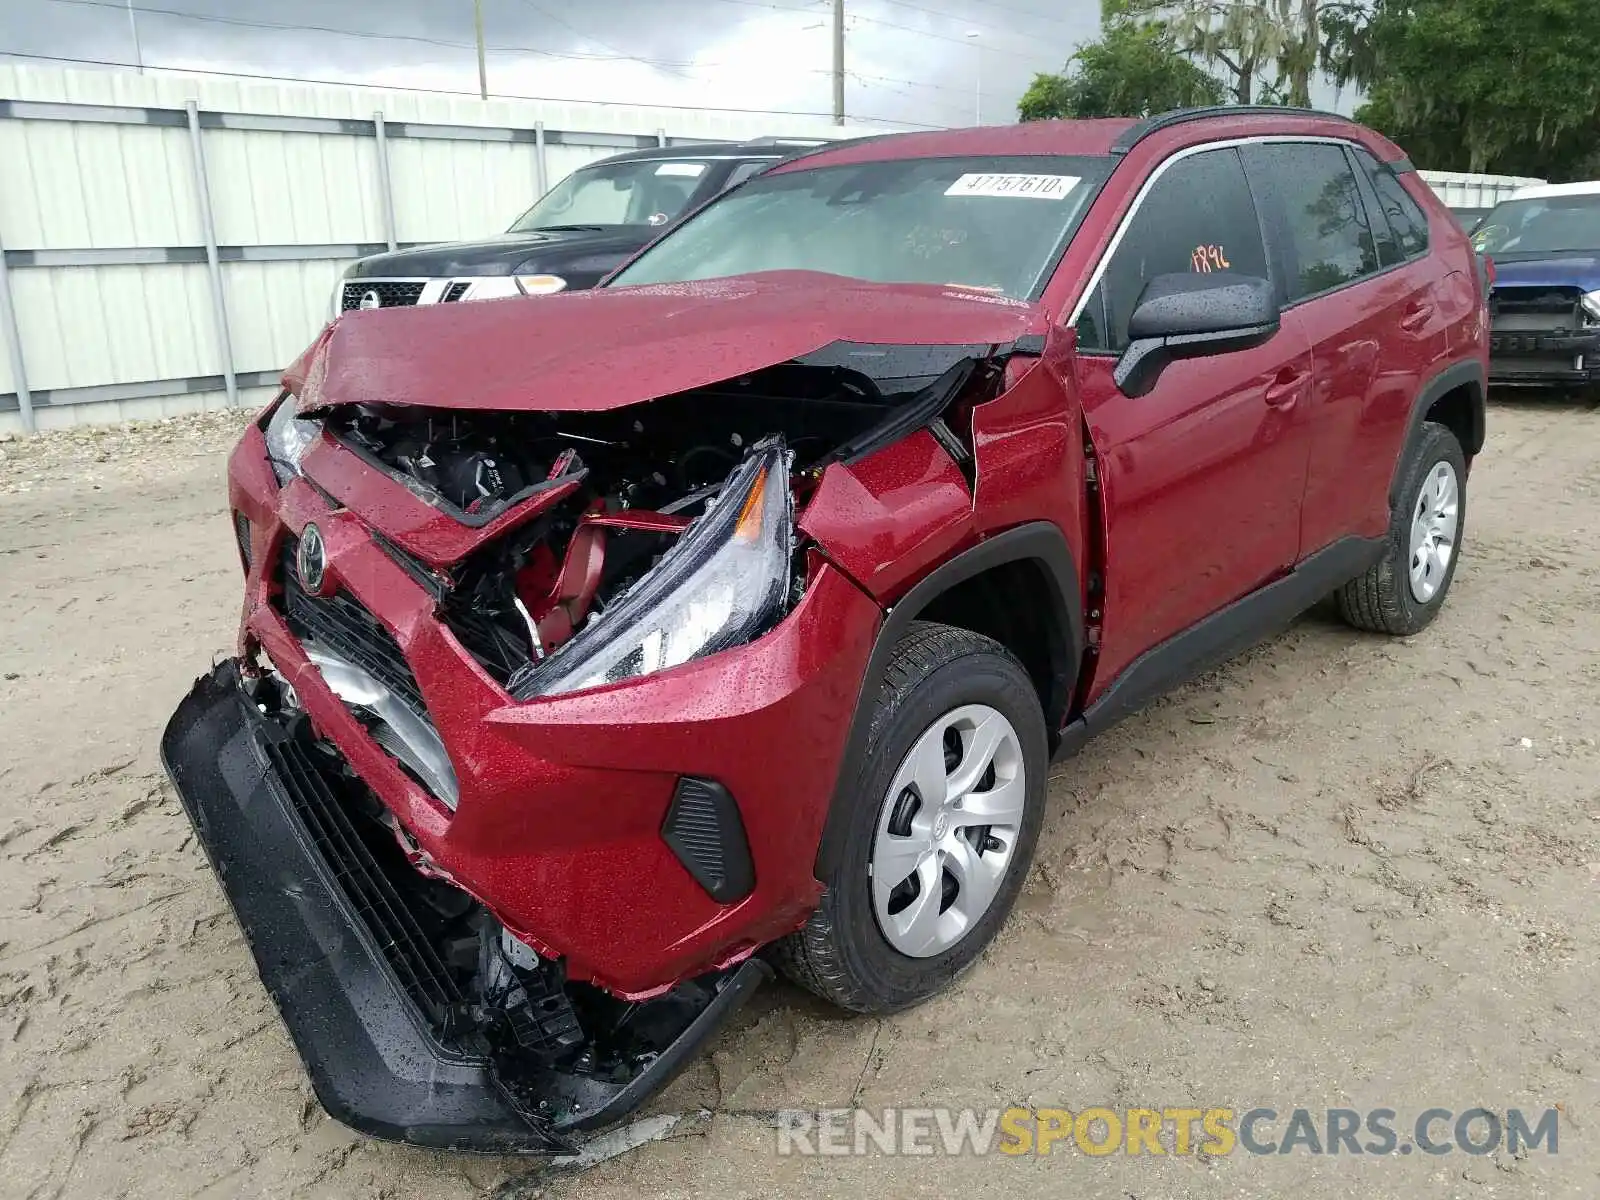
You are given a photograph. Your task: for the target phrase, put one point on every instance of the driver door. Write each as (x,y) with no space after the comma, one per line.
(1202,478)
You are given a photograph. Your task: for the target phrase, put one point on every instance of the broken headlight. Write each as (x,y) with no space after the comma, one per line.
(288,435)
(723,583)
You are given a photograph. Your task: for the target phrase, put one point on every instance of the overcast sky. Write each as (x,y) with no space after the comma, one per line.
(908,60)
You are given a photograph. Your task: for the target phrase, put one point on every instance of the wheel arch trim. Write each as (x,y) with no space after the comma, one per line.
(1040,542)
(1469,374)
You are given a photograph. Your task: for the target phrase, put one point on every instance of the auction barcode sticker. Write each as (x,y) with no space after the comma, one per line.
(1033,187)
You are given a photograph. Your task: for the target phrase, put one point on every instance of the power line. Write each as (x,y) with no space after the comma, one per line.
(959,41)
(213,19)
(804,10)
(389,87)
(368,35)
(882,83)
(937,12)
(938,87)
(550,16)
(683,67)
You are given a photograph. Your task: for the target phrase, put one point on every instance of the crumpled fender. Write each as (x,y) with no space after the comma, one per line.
(890,518)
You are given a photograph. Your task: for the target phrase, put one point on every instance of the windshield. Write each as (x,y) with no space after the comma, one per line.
(1548,225)
(992,223)
(631,193)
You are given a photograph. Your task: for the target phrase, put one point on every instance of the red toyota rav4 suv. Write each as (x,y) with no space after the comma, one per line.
(600,650)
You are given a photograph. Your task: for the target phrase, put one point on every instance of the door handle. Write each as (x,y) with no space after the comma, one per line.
(1285,389)
(1416,315)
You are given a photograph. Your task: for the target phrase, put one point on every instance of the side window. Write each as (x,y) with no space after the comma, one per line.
(746,170)
(1406,218)
(1389,252)
(1321,214)
(1199,216)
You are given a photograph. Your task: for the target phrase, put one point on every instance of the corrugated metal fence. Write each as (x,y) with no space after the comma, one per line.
(169,243)
(1459,189)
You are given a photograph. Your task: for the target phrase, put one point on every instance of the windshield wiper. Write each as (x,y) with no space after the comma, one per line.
(569,228)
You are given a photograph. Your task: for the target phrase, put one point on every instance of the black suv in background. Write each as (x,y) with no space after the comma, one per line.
(582,228)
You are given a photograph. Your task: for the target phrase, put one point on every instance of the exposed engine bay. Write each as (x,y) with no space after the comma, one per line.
(616,492)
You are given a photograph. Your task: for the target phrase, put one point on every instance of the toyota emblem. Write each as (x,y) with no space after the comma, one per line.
(311,560)
(371,300)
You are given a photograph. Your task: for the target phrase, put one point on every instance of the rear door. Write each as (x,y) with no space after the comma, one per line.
(1202,477)
(1370,307)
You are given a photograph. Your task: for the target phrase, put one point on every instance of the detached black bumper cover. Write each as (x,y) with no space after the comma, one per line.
(373,1062)
(1545,358)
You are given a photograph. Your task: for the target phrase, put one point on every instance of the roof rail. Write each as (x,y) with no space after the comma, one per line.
(1136,133)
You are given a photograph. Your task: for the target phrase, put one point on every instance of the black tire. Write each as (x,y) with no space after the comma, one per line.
(1381,600)
(840,953)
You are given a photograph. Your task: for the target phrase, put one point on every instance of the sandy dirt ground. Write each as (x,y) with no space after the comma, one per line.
(1341,871)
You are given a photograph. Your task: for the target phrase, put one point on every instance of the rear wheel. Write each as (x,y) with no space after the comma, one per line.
(949,797)
(1404,590)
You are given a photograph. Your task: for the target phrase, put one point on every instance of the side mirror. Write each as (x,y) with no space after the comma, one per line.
(1191,315)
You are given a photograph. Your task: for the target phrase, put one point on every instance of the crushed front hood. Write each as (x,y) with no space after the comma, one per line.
(590,351)
(1547,270)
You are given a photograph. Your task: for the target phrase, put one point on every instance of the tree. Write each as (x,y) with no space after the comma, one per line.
(1270,49)
(1132,71)
(1510,86)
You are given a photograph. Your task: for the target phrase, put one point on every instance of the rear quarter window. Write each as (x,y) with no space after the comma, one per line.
(1406,219)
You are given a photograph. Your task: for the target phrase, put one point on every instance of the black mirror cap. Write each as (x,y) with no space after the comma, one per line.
(1191,303)
(1190,316)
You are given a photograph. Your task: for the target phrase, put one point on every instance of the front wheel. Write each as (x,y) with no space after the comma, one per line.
(1404,590)
(949,798)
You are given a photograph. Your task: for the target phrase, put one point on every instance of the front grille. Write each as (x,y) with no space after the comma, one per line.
(1537,309)
(391,293)
(388,913)
(345,626)
(456,291)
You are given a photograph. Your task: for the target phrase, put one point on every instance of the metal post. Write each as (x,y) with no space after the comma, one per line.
(483,69)
(977,112)
(977,109)
(13,337)
(385,191)
(219,303)
(133,25)
(542,169)
(838,62)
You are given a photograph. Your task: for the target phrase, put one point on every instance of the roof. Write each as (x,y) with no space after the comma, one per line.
(1545,191)
(1110,136)
(1030,137)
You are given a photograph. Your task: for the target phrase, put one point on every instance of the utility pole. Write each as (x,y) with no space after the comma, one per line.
(977,110)
(838,62)
(133,24)
(483,69)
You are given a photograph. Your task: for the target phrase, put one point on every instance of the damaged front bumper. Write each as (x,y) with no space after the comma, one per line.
(336,947)
(1557,359)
